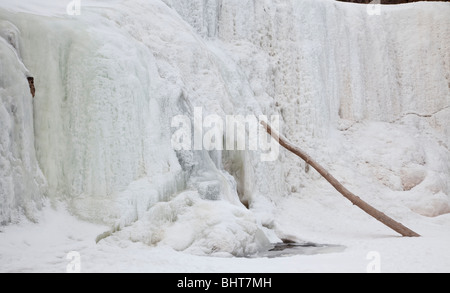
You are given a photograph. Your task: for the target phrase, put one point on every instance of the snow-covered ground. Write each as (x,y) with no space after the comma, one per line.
(88,164)
(45,247)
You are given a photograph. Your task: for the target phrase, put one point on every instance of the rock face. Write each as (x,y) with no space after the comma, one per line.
(31,83)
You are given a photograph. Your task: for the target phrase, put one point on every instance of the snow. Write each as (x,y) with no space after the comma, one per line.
(43,247)
(88,165)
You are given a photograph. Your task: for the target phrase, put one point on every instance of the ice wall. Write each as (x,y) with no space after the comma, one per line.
(109,81)
(374,67)
(328,64)
(21,181)
(325,65)
(108,84)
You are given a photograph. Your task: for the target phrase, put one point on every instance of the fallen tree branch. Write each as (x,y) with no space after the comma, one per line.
(383,218)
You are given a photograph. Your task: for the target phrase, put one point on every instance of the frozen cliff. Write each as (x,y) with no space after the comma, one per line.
(368,95)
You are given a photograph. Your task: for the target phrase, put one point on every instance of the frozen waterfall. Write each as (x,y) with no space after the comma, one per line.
(108,82)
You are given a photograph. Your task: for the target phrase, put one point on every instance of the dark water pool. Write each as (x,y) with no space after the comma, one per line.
(290,248)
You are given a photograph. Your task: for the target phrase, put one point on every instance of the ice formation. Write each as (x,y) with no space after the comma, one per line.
(368,95)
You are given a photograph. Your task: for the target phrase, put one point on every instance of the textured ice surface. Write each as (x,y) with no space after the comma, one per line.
(367,95)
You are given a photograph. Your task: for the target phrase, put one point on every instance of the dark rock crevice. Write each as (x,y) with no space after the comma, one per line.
(31,84)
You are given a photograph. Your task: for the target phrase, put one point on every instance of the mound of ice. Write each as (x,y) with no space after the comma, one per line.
(189,223)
